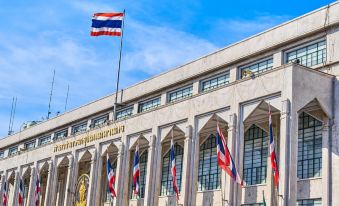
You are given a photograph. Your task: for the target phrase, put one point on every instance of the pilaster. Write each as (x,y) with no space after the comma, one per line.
(31,186)
(49,183)
(185,185)
(283,196)
(229,188)
(69,188)
(93,174)
(149,174)
(119,184)
(325,172)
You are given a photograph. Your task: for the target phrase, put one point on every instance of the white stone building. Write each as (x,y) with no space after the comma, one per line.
(187,102)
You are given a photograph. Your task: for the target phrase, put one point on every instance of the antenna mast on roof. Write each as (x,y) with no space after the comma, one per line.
(66,97)
(50,96)
(11,119)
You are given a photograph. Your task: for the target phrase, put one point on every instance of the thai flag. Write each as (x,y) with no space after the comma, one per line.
(174,170)
(136,171)
(273,156)
(110,177)
(37,190)
(225,160)
(107,24)
(4,194)
(21,192)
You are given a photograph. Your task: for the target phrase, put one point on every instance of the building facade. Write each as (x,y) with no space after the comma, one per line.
(292,68)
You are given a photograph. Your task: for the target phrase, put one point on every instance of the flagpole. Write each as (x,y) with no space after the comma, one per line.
(119,66)
(221,187)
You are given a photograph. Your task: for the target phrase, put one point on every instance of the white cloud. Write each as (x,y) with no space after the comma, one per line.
(83,62)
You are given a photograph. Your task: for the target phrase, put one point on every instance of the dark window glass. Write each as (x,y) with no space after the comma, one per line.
(309,147)
(215,82)
(142,179)
(150,104)
(255,156)
(123,114)
(309,202)
(209,174)
(166,179)
(310,55)
(180,94)
(257,68)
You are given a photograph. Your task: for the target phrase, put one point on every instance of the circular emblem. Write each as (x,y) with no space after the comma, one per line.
(81,190)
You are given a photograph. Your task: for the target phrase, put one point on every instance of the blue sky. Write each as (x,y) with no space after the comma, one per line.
(41,35)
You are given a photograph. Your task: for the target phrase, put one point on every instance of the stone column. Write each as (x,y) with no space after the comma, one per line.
(16,188)
(54,185)
(119,174)
(31,187)
(2,182)
(284,153)
(93,174)
(185,184)
(100,179)
(325,172)
(49,183)
(69,189)
(229,188)
(149,172)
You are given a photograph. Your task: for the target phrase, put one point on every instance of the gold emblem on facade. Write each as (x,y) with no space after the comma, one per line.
(81,191)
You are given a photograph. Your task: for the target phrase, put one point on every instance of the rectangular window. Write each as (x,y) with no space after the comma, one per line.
(124,113)
(12,151)
(256,68)
(30,144)
(44,140)
(79,128)
(309,55)
(2,154)
(309,147)
(255,156)
(215,82)
(149,104)
(60,134)
(180,94)
(309,202)
(99,121)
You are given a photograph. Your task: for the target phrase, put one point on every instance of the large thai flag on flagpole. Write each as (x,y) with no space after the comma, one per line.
(107,24)
(110,177)
(37,190)
(4,194)
(225,160)
(174,170)
(21,192)
(136,171)
(273,156)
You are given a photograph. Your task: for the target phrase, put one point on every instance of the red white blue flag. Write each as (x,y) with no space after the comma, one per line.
(136,172)
(4,194)
(174,170)
(21,192)
(37,190)
(107,24)
(110,177)
(225,160)
(273,156)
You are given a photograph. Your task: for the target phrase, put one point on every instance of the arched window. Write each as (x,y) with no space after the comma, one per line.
(142,179)
(255,155)
(166,179)
(309,146)
(209,176)
(108,197)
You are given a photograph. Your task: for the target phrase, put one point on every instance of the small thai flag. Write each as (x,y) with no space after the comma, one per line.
(4,194)
(273,156)
(225,160)
(107,24)
(21,192)
(136,171)
(37,190)
(110,177)
(174,170)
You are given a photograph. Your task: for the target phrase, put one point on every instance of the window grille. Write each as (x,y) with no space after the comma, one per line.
(215,82)
(309,202)
(258,67)
(180,94)
(148,105)
(124,113)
